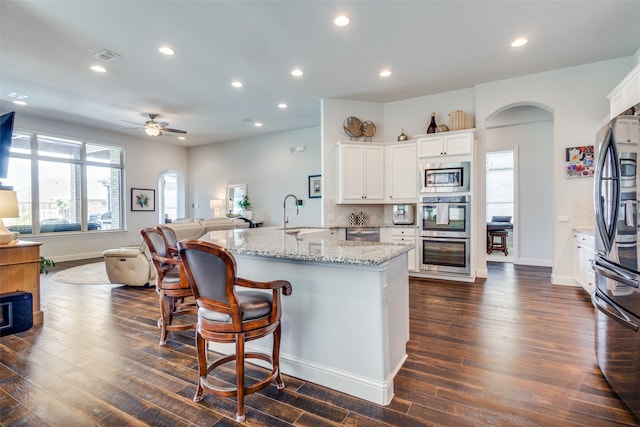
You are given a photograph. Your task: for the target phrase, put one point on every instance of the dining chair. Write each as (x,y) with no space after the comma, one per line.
(171,284)
(231,310)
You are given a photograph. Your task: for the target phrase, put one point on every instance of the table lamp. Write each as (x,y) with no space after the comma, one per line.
(8,209)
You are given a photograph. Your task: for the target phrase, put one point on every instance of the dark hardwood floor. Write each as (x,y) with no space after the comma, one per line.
(511,350)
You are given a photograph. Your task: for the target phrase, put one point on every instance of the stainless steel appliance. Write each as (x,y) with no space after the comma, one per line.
(445,216)
(447,255)
(445,228)
(445,177)
(403,214)
(617,295)
(363,234)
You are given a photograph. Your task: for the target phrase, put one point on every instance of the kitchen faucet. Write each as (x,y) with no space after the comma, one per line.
(284,210)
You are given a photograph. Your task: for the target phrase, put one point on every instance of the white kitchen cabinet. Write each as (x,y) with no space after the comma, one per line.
(401,172)
(360,173)
(402,235)
(627,129)
(583,256)
(626,94)
(446,144)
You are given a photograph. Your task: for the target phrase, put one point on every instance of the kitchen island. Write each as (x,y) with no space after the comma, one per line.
(346,324)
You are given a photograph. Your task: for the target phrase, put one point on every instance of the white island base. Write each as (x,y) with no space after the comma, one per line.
(344,327)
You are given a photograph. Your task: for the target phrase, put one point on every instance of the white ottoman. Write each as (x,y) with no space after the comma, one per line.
(129,266)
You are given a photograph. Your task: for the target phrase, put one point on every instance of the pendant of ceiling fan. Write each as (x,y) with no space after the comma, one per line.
(153,128)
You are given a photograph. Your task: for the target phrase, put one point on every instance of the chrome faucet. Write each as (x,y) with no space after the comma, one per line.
(284,210)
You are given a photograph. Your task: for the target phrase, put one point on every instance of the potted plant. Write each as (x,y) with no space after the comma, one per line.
(245,205)
(44,263)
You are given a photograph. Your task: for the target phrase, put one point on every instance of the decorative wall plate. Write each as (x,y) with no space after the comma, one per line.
(353,127)
(368,129)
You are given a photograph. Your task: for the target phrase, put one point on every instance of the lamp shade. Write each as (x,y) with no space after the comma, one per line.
(8,204)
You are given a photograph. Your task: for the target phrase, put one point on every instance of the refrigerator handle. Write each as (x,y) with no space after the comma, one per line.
(609,270)
(619,316)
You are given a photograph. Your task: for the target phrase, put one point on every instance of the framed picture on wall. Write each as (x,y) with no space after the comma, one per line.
(580,162)
(315,188)
(143,199)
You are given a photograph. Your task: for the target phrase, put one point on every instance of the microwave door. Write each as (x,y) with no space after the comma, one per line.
(607,194)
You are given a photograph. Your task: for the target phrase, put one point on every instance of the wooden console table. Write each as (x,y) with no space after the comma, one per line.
(20,271)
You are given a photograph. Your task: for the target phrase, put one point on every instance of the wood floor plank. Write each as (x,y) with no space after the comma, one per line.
(509,350)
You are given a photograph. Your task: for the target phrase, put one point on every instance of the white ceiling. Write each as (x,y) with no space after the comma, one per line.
(430,47)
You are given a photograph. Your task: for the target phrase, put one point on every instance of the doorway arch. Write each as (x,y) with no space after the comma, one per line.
(171,191)
(528,129)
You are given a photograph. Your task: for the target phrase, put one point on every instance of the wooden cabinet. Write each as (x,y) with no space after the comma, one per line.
(401,173)
(626,94)
(627,129)
(583,256)
(20,271)
(446,144)
(402,235)
(360,173)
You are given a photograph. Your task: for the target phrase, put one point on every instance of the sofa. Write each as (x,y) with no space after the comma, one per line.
(131,265)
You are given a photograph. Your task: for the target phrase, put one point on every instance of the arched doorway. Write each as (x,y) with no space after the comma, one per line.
(171,201)
(527,131)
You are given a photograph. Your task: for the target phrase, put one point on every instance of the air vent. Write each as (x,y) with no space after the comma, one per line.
(106,55)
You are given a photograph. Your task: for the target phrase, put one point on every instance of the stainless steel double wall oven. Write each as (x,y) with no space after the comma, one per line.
(445,231)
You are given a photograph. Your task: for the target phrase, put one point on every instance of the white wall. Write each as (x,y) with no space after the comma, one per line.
(268,168)
(145,159)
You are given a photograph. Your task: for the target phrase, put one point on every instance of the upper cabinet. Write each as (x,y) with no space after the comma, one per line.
(446,144)
(627,129)
(626,94)
(360,172)
(401,172)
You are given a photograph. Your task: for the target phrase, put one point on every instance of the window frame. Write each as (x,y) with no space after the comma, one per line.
(34,157)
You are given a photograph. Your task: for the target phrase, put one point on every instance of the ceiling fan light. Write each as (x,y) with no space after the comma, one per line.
(152,131)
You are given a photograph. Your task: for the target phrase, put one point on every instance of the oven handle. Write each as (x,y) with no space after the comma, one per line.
(609,270)
(619,316)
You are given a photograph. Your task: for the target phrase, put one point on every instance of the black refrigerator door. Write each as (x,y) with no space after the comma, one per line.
(619,285)
(607,194)
(617,345)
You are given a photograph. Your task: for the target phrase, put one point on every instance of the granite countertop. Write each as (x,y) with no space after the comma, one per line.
(304,244)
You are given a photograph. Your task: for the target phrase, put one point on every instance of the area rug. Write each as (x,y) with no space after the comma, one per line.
(88,274)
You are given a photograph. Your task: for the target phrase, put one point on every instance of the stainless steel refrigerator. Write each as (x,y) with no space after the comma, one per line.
(617,295)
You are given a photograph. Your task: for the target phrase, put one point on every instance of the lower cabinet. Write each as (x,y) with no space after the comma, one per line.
(402,235)
(583,256)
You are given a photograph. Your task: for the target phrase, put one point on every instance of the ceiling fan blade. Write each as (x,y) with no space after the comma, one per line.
(133,123)
(173,130)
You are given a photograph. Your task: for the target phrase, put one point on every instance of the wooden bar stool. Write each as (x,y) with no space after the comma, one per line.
(501,245)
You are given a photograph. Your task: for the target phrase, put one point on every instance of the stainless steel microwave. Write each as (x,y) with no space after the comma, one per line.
(445,177)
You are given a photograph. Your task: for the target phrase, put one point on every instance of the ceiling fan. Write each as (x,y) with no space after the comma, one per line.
(153,128)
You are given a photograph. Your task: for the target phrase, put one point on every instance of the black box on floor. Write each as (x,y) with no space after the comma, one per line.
(16,312)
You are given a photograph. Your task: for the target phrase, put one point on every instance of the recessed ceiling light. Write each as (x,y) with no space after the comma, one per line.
(182,137)
(519,42)
(258,124)
(297,72)
(166,50)
(236,83)
(98,69)
(18,102)
(282,105)
(341,21)
(385,73)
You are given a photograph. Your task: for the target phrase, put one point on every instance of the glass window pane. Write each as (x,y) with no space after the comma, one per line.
(20,179)
(102,154)
(58,147)
(103,198)
(60,197)
(21,143)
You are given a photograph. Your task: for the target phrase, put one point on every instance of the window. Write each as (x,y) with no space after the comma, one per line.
(500,179)
(65,185)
